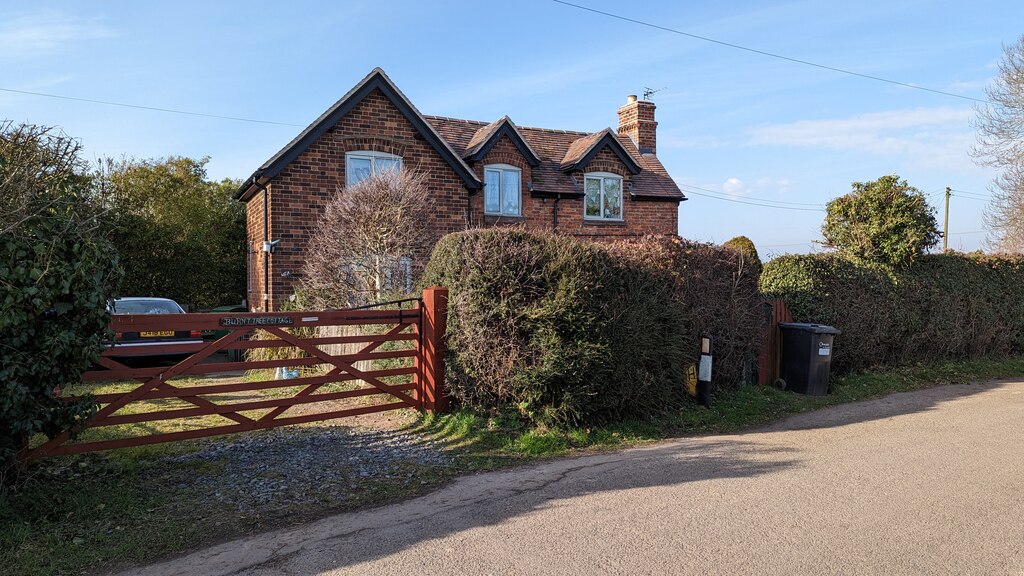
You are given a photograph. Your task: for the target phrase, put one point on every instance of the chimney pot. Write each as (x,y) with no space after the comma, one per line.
(631,98)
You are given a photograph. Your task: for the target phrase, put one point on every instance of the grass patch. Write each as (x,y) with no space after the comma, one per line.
(96,512)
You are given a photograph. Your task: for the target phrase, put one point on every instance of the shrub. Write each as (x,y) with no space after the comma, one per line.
(718,293)
(745,246)
(565,330)
(361,249)
(56,274)
(945,306)
(886,221)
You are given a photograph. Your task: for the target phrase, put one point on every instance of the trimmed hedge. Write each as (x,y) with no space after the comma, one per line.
(945,306)
(567,331)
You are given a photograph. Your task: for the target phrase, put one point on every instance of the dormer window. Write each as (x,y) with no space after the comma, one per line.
(603,196)
(502,191)
(360,165)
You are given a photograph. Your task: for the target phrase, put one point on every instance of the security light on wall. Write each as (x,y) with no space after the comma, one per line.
(270,245)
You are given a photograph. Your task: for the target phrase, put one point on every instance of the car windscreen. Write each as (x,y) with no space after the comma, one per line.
(146,307)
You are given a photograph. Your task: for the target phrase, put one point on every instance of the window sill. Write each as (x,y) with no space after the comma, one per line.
(589,222)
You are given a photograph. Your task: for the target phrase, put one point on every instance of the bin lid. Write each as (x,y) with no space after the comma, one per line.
(806,327)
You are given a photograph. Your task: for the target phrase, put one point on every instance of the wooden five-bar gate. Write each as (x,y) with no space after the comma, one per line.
(412,378)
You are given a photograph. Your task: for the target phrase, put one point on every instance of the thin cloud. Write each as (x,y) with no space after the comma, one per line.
(780,185)
(930,137)
(47,33)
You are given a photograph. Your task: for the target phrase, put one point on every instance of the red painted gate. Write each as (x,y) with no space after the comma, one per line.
(411,338)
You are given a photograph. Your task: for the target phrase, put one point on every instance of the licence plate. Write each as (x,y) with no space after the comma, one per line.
(157,334)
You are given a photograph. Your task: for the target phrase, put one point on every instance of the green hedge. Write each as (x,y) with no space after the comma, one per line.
(568,331)
(945,306)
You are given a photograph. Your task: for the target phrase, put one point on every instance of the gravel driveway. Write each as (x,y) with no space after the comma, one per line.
(287,467)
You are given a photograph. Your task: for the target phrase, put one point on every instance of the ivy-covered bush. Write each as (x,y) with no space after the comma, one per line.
(944,306)
(565,330)
(56,274)
(885,222)
(745,246)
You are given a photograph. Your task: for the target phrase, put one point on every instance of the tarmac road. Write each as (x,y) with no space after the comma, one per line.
(928,482)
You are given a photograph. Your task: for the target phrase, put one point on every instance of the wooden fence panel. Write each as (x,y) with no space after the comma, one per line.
(771,348)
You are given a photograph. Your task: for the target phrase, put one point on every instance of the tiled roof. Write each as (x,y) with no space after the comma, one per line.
(481,136)
(581,146)
(485,138)
(583,150)
(554,147)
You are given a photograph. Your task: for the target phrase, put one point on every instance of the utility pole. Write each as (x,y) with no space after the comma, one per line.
(945,224)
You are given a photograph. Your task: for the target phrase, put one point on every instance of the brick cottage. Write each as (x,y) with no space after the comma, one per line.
(601,185)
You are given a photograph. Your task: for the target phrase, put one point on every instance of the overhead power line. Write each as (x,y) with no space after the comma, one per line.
(752,201)
(769,54)
(811,244)
(777,207)
(153,108)
(972,198)
(769,200)
(975,195)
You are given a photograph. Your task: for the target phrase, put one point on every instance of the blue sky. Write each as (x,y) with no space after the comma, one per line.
(746,127)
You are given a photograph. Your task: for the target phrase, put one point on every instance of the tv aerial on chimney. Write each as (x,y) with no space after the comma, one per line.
(648,92)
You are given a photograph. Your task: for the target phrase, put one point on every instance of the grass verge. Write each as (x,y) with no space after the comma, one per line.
(488,443)
(95,512)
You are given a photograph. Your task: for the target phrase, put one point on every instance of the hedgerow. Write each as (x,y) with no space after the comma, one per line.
(567,331)
(944,306)
(56,274)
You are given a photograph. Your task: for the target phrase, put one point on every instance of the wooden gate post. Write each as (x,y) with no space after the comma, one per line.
(434,322)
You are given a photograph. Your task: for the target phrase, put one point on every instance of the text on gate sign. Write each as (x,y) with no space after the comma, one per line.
(257,321)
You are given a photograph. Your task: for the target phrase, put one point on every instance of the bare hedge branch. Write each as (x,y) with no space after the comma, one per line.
(362,247)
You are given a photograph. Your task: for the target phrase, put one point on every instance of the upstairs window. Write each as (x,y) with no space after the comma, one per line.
(502,190)
(360,165)
(603,196)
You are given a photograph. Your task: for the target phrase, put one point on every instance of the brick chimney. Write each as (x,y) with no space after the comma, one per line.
(636,120)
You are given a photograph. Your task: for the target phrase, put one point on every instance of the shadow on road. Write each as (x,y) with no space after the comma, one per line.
(493,498)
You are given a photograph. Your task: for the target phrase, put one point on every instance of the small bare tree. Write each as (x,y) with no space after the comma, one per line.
(362,247)
(1000,125)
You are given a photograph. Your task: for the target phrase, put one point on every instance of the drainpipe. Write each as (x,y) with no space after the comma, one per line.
(554,212)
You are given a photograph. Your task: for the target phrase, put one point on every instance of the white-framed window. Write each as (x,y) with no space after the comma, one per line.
(359,165)
(502,190)
(602,199)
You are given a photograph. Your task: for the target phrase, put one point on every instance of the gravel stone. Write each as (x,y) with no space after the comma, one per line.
(256,472)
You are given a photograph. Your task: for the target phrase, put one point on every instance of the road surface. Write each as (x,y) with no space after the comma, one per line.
(928,482)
